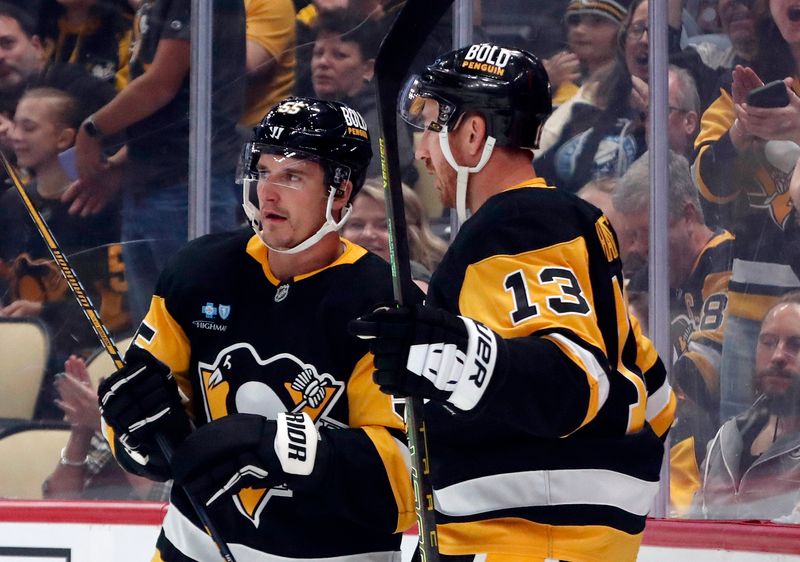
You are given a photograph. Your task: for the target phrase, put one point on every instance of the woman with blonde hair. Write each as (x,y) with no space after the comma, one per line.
(367,227)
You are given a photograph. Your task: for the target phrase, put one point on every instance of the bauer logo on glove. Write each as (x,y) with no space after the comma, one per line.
(427,352)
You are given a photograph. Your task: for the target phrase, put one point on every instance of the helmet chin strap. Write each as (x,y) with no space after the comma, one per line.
(463,172)
(329,226)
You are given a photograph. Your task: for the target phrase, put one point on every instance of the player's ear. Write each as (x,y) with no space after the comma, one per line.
(474,131)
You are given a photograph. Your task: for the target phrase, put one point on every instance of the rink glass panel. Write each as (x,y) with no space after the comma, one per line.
(536,25)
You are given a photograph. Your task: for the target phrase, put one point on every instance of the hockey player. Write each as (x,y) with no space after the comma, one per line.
(546,404)
(296,453)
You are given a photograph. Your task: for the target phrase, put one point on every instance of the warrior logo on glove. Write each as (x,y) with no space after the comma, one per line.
(253,459)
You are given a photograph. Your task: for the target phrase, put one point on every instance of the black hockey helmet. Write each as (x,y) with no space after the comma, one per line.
(298,130)
(509,87)
(328,132)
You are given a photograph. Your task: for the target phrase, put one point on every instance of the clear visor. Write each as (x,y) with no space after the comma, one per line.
(286,167)
(412,102)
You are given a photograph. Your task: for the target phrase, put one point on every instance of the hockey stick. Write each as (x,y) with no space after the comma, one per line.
(100,329)
(409,31)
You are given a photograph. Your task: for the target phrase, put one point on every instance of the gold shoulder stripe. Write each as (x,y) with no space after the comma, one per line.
(716,283)
(752,307)
(565,91)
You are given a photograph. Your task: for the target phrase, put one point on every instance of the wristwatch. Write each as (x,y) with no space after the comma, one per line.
(91,129)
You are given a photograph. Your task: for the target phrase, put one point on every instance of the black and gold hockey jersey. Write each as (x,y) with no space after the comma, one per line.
(698,307)
(746,193)
(102,47)
(28,272)
(238,340)
(562,460)
(698,322)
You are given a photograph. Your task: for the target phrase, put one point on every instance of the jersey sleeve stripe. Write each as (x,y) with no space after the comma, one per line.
(646,355)
(372,410)
(707,359)
(661,409)
(397,460)
(596,375)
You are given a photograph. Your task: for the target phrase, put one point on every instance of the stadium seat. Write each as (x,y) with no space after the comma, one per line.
(28,457)
(24,347)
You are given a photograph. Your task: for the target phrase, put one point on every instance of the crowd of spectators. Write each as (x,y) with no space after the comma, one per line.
(115,193)
(733,247)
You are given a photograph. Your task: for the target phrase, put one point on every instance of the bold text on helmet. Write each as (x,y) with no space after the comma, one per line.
(353,118)
(491,54)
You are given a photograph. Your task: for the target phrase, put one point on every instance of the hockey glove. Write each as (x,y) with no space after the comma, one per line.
(141,400)
(430,353)
(248,450)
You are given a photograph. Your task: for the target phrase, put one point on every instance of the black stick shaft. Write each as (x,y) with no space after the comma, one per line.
(407,35)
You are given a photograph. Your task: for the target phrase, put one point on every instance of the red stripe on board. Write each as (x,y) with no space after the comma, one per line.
(77,511)
(746,536)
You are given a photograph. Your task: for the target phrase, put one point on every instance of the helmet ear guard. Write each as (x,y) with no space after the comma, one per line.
(336,178)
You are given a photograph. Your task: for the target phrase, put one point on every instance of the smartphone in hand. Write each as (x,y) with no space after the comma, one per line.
(773,94)
(67,161)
